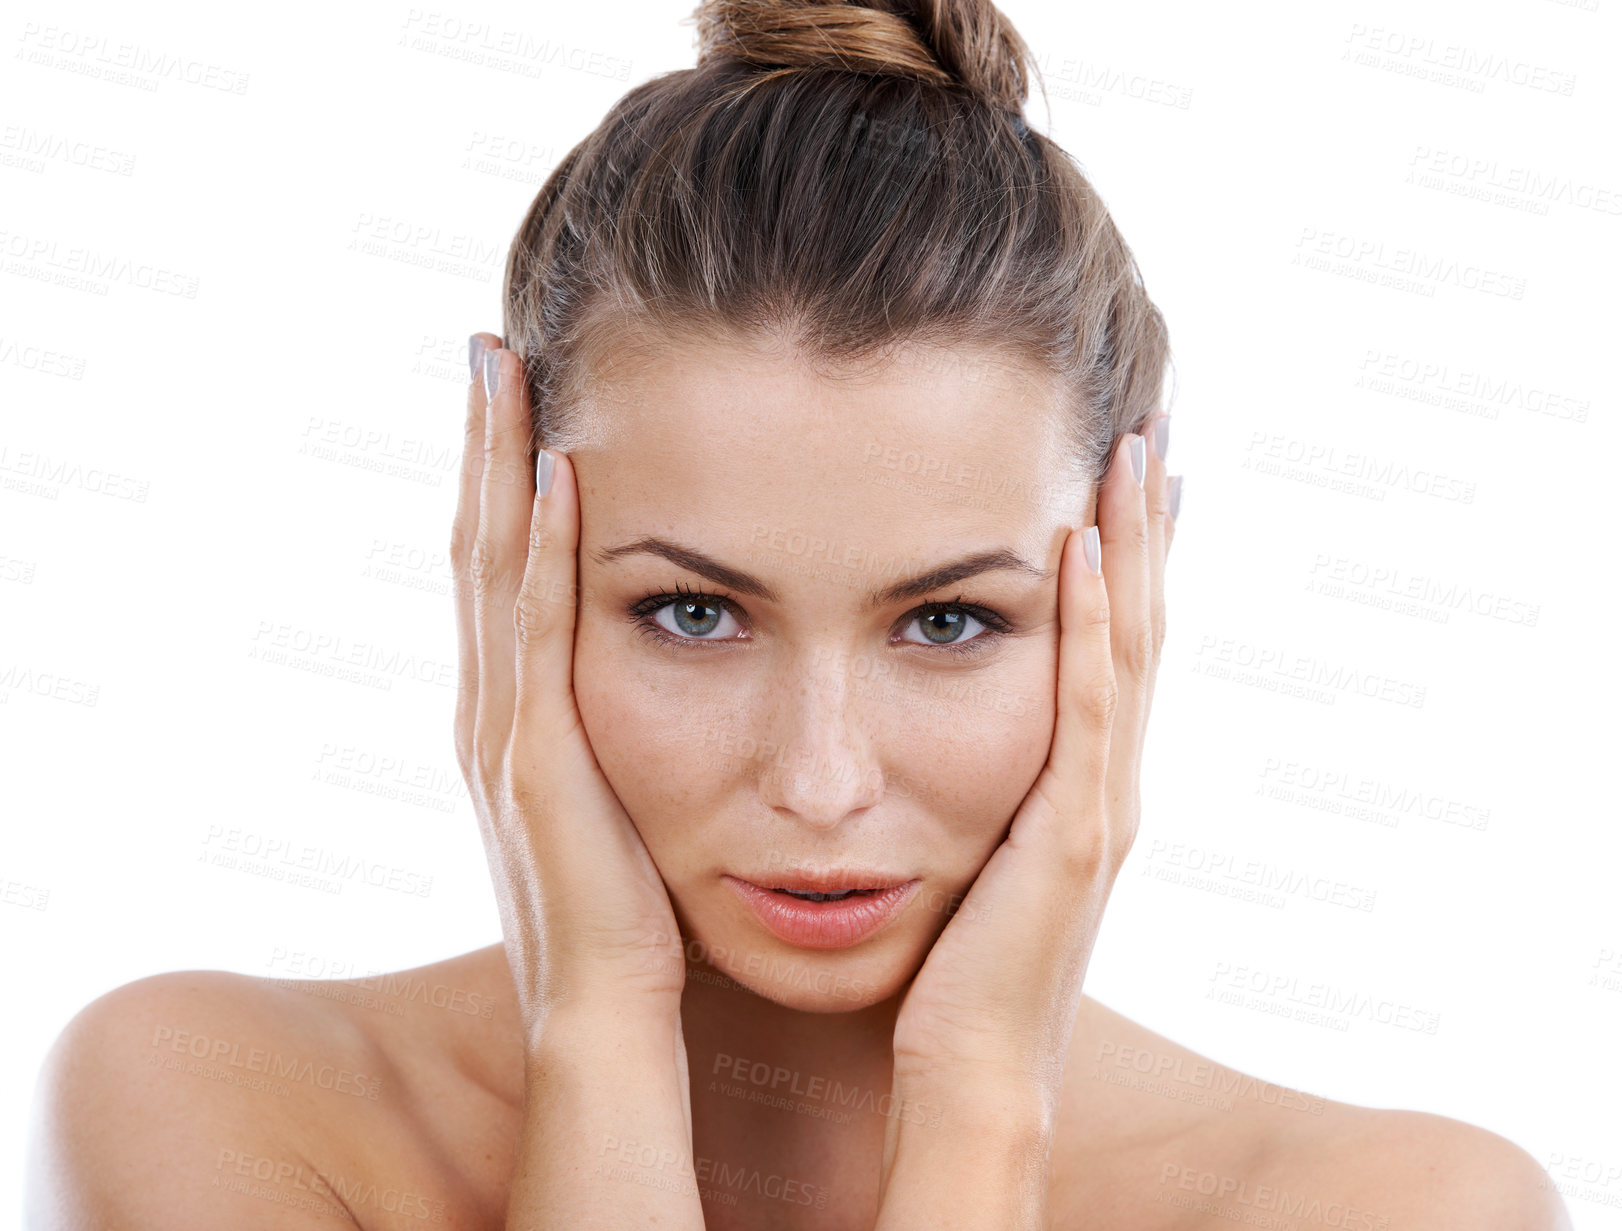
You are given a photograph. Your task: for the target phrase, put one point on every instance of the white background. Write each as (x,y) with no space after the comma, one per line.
(270,453)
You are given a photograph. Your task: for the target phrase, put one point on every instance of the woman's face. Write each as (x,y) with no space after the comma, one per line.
(788,708)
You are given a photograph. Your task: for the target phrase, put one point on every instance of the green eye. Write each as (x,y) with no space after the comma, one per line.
(944,626)
(696,618)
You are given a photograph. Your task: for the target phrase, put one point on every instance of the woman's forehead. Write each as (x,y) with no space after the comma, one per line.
(941,423)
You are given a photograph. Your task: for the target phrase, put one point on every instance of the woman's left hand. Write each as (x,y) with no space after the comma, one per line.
(995,1003)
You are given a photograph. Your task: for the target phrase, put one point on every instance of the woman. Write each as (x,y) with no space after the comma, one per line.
(811,542)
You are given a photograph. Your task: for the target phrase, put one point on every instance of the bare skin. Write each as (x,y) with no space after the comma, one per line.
(161,1148)
(208,1099)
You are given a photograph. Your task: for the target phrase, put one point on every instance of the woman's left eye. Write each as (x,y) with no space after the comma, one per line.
(945,627)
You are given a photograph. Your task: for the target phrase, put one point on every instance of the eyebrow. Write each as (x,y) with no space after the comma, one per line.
(695,561)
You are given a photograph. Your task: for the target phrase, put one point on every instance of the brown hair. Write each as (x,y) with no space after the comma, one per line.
(835,178)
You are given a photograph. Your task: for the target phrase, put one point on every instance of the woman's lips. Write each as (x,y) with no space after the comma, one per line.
(837,924)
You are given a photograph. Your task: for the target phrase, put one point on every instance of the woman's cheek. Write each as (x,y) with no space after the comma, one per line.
(616,712)
(972,751)
(660,743)
(980,774)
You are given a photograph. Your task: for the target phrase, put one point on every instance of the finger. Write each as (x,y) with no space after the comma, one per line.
(1123,520)
(506,492)
(1157,501)
(544,614)
(464,528)
(1176,502)
(1074,777)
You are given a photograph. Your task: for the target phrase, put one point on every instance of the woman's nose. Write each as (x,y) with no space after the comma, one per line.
(826,770)
(820,792)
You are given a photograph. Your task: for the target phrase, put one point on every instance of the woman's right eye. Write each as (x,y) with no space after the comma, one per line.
(686,618)
(696,620)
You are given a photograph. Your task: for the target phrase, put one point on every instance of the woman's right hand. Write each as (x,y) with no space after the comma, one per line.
(585,916)
(607,1137)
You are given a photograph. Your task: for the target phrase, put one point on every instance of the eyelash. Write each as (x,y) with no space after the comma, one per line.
(642,611)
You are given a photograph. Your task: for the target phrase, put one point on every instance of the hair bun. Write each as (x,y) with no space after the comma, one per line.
(966,42)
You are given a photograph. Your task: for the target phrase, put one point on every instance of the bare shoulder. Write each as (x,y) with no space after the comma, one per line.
(1157,1136)
(212,1098)
(154,1091)
(1417,1168)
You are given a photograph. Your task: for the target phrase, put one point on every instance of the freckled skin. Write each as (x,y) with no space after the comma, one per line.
(820,741)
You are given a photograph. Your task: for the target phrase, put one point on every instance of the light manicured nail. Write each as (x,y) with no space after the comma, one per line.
(544,466)
(492,373)
(1162,436)
(1176,500)
(1090,549)
(1136,451)
(475,356)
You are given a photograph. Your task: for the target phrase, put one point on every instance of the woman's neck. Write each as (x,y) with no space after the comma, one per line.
(753,1048)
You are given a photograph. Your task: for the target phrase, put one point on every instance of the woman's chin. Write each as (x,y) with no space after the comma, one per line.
(806,980)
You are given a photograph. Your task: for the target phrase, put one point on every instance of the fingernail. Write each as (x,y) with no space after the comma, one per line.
(492,373)
(475,355)
(1162,435)
(1090,549)
(1137,457)
(1176,495)
(544,466)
